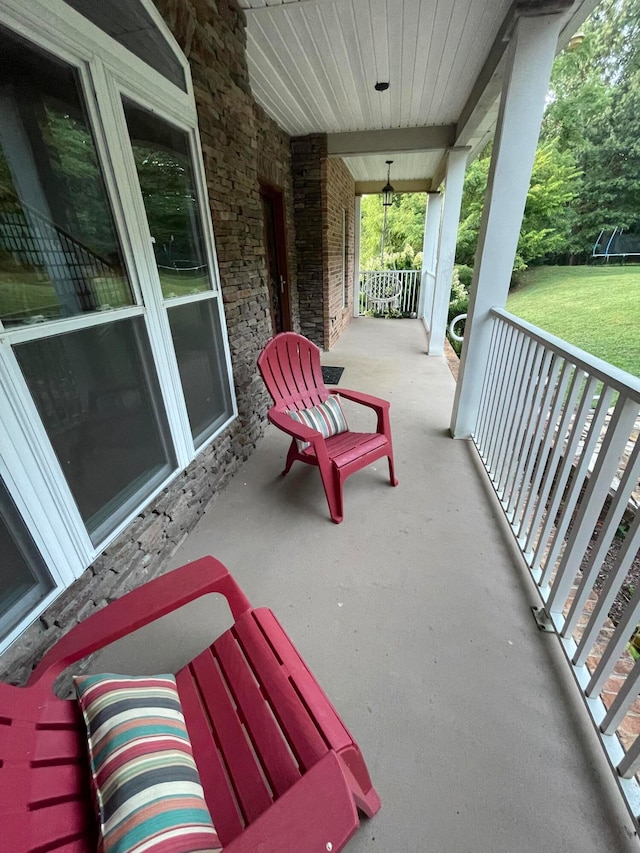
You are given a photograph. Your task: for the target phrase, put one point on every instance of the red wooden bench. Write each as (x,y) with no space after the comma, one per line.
(279,769)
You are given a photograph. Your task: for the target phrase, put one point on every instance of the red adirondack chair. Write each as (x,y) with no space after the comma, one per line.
(290,367)
(279,769)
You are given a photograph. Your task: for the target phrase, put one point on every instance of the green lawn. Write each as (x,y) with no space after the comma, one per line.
(594,308)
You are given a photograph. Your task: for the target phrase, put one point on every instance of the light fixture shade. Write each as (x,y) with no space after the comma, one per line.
(387,195)
(388,190)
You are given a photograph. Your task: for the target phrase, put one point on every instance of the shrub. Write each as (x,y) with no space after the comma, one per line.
(457,306)
(457,289)
(465,274)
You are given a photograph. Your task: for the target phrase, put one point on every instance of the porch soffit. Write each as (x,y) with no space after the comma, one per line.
(313,65)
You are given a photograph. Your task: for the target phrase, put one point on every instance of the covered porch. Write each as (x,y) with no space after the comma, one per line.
(415,616)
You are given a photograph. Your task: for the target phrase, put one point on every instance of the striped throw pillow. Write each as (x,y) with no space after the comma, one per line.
(328,418)
(146,781)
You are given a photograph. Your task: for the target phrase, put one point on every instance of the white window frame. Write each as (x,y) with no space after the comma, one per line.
(108,72)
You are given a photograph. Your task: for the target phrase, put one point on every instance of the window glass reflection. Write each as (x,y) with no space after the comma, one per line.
(163,161)
(24,579)
(97,394)
(59,254)
(197,339)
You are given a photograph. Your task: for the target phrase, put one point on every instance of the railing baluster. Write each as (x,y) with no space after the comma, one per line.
(625,488)
(626,625)
(522,415)
(515,382)
(502,399)
(631,762)
(564,472)
(528,439)
(623,701)
(493,392)
(606,597)
(545,489)
(612,447)
(548,433)
(575,488)
(482,422)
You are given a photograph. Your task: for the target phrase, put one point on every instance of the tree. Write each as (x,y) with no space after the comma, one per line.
(593,113)
(475,187)
(404,235)
(547,218)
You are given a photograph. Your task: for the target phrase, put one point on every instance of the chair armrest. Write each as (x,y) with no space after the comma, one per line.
(366,399)
(294,428)
(139,607)
(317,810)
(380,407)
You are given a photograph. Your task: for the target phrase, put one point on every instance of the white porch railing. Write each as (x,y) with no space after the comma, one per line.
(557,432)
(409,288)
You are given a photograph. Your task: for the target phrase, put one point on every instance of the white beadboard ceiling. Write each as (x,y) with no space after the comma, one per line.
(313,66)
(408,167)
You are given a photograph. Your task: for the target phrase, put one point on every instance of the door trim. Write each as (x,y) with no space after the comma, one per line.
(275,194)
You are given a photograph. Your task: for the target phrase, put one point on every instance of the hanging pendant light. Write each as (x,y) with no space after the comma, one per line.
(387,201)
(388,190)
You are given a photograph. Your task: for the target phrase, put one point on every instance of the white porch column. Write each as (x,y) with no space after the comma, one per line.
(356,256)
(454,182)
(528,70)
(433,212)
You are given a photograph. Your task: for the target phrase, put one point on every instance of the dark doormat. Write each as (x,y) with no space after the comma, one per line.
(331,375)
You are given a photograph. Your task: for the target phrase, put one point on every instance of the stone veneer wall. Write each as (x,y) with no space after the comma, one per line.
(308,155)
(238,141)
(338,200)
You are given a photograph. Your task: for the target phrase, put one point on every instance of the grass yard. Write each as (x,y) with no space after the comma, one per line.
(595,308)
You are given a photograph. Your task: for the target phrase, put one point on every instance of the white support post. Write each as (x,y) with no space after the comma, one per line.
(432,213)
(357,223)
(528,70)
(453,185)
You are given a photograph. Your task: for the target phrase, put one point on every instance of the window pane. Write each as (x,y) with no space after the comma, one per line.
(24,579)
(97,394)
(59,254)
(197,339)
(163,161)
(131,25)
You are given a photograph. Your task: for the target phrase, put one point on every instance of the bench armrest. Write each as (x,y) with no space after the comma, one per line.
(139,607)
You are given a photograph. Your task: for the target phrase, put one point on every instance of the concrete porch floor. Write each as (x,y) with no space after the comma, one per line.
(414,616)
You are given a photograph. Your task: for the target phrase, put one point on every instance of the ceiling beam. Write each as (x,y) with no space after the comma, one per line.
(417,185)
(441,172)
(406,140)
(488,85)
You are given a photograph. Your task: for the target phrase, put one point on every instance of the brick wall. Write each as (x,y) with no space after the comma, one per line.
(338,210)
(323,189)
(308,155)
(238,142)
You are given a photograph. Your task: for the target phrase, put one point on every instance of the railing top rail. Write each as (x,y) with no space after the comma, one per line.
(614,377)
(389,272)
